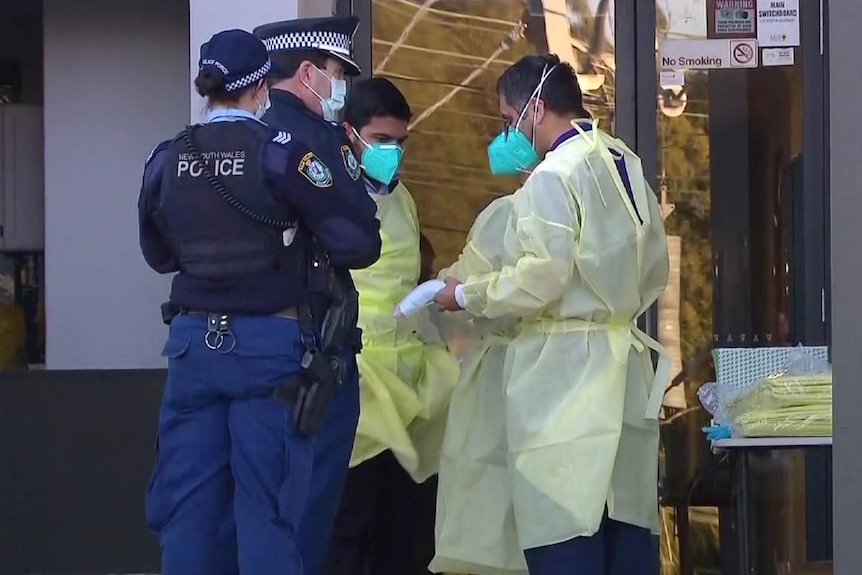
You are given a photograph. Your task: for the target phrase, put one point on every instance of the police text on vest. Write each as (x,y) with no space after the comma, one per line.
(221,164)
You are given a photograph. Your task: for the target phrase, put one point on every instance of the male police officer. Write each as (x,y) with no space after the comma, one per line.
(218,204)
(310,58)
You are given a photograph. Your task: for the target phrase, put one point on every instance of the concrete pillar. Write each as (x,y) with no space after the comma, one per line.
(845,126)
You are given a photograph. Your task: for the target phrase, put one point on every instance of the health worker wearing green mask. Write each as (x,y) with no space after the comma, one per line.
(584,256)
(406,374)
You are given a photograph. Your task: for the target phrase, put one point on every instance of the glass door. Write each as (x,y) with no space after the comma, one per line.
(741,175)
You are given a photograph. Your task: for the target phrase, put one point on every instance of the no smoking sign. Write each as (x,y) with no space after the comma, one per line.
(743,54)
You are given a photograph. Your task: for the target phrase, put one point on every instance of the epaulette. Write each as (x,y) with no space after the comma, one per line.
(282,137)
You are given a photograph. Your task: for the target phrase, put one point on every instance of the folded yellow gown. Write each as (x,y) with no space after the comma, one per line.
(785,406)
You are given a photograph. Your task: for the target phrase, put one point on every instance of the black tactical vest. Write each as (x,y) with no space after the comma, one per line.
(211,238)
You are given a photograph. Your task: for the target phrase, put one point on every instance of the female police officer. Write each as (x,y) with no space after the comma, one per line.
(216,204)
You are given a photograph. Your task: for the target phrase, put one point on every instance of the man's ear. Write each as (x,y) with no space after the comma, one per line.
(539,110)
(351,133)
(304,72)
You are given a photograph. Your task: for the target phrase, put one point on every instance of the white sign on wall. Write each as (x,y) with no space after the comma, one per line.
(707,54)
(778,22)
(777,56)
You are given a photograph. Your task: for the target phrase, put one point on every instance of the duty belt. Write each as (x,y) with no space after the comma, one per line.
(170,311)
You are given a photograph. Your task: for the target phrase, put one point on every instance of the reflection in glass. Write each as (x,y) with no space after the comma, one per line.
(686,308)
(446,56)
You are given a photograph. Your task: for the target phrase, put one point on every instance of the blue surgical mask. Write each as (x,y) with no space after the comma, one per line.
(511,152)
(380,162)
(264,107)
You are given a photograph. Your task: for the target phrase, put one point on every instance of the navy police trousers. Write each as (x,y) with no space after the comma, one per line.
(617,549)
(332,449)
(231,477)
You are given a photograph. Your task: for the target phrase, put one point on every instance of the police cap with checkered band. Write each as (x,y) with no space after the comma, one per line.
(238,56)
(333,36)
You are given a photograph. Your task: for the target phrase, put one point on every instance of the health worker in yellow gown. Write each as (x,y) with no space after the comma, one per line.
(385,521)
(584,257)
(473,486)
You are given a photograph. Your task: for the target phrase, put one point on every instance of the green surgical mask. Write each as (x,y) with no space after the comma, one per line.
(380,162)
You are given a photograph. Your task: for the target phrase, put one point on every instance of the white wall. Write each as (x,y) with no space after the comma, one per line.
(116,83)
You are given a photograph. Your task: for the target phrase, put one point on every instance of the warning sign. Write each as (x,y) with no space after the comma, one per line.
(731,19)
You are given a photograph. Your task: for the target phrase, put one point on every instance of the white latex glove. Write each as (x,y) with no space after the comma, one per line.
(422,296)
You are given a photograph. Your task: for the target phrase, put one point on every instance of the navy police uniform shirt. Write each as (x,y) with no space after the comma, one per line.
(343,221)
(328,139)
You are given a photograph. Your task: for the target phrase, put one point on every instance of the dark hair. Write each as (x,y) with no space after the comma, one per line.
(560,92)
(373,98)
(210,84)
(286,64)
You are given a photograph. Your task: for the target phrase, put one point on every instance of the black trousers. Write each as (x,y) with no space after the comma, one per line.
(385,525)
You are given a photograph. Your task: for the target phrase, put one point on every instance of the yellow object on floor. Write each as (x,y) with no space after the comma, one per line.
(12,337)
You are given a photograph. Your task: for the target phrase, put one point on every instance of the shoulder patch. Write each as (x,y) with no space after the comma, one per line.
(315,171)
(282,138)
(351,164)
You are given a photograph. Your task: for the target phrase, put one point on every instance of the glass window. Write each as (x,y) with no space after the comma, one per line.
(446,57)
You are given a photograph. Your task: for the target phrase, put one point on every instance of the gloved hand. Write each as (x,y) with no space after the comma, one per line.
(716,432)
(421,296)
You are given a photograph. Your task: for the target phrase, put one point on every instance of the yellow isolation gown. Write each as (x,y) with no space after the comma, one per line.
(581,261)
(406,374)
(475,526)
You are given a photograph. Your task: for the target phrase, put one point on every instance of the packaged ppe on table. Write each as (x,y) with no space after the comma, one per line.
(795,400)
(710,397)
(804,381)
(801,421)
(783,391)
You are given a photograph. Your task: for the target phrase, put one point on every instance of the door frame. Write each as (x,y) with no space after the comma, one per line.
(814,296)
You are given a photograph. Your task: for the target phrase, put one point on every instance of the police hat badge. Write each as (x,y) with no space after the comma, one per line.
(315,171)
(350,162)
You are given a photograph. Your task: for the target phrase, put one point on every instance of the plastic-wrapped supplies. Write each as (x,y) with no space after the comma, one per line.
(795,401)
(781,391)
(799,421)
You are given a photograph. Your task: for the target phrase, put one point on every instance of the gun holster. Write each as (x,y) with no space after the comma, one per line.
(169,312)
(310,392)
(325,338)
